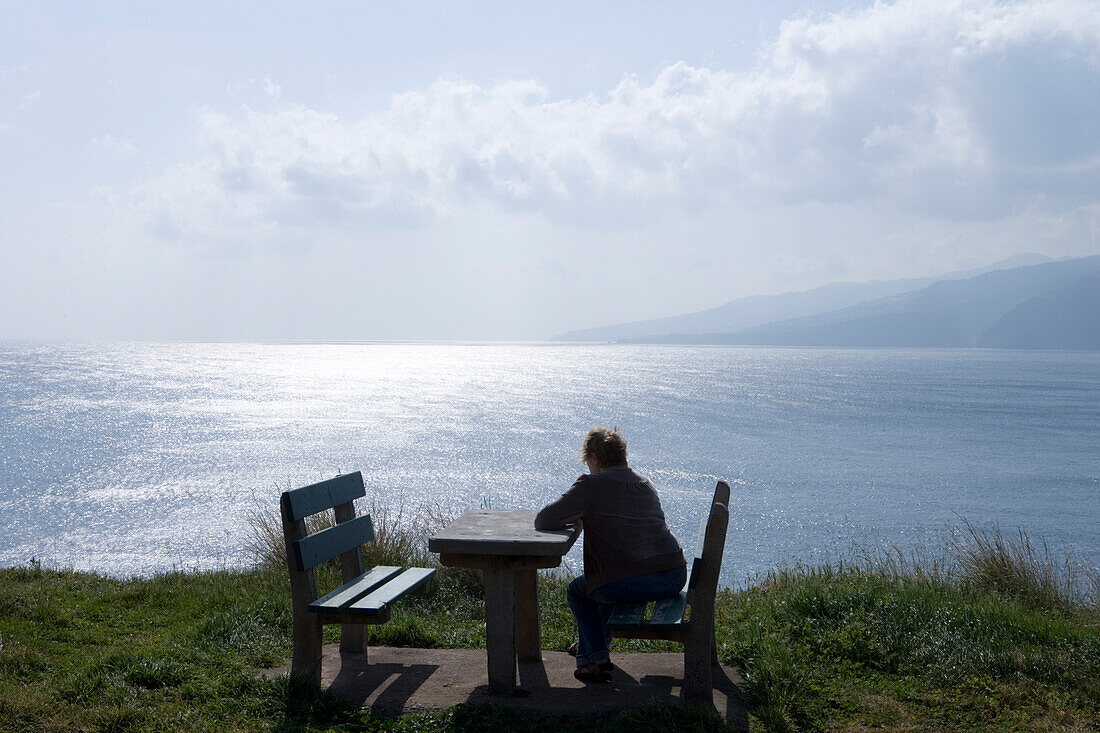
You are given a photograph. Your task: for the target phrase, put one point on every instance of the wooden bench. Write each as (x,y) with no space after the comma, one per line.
(667,620)
(364,597)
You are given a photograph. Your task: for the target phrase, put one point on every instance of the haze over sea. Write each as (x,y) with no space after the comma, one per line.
(138,458)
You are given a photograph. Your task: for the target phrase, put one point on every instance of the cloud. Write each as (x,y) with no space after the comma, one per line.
(271,89)
(120,146)
(105,194)
(950,109)
(28,100)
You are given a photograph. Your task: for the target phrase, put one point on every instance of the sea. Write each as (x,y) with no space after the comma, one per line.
(133,459)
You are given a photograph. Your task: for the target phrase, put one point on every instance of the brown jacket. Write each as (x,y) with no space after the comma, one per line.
(625,534)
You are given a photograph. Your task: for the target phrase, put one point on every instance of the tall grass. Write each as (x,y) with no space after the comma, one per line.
(399,538)
(993,625)
(1015,567)
(985,558)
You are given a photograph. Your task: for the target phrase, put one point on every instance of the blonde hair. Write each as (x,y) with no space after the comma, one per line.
(606,447)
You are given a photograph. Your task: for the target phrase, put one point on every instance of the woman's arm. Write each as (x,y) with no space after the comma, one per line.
(569,509)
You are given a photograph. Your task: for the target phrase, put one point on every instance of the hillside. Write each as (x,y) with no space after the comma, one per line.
(1069,315)
(1049,305)
(758,310)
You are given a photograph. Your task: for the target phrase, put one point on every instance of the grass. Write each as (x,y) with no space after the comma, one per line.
(835,648)
(992,636)
(1015,567)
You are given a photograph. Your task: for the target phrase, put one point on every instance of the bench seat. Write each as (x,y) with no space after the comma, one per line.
(348,593)
(379,599)
(667,615)
(373,591)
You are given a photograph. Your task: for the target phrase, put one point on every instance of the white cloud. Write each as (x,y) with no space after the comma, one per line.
(106,194)
(951,109)
(112,144)
(268,89)
(29,100)
(271,89)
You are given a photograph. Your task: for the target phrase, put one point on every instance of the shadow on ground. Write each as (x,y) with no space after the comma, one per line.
(392,682)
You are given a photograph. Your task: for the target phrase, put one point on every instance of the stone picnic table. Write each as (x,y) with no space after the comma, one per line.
(509,550)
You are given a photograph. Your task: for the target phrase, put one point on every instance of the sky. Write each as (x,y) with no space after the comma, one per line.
(498,171)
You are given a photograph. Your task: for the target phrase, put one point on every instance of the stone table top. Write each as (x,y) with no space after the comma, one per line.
(501,533)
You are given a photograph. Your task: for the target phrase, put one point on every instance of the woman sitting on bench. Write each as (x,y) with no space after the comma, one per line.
(629,553)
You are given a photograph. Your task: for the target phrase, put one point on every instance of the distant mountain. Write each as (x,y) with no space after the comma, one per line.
(757,310)
(1050,305)
(1068,317)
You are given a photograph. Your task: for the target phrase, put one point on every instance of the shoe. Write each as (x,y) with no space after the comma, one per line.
(572,650)
(582,674)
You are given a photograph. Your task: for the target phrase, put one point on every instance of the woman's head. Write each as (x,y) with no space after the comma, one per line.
(604,448)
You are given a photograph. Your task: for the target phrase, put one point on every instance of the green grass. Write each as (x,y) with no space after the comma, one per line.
(856,649)
(886,644)
(181,652)
(993,635)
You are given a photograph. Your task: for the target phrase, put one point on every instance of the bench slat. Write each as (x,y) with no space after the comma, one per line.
(700,538)
(350,591)
(323,495)
(626,616)
(697,561)
(328,543)
(377,599)
(668,613)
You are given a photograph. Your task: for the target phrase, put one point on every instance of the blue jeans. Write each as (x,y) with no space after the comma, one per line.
(593,611)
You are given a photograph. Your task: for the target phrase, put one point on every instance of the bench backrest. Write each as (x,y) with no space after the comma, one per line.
(709,547)
(308,500)
(305,551)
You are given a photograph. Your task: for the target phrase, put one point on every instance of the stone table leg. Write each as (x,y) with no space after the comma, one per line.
(500,625)
(528,636)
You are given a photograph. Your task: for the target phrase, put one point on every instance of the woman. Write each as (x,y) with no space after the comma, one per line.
(629,553)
